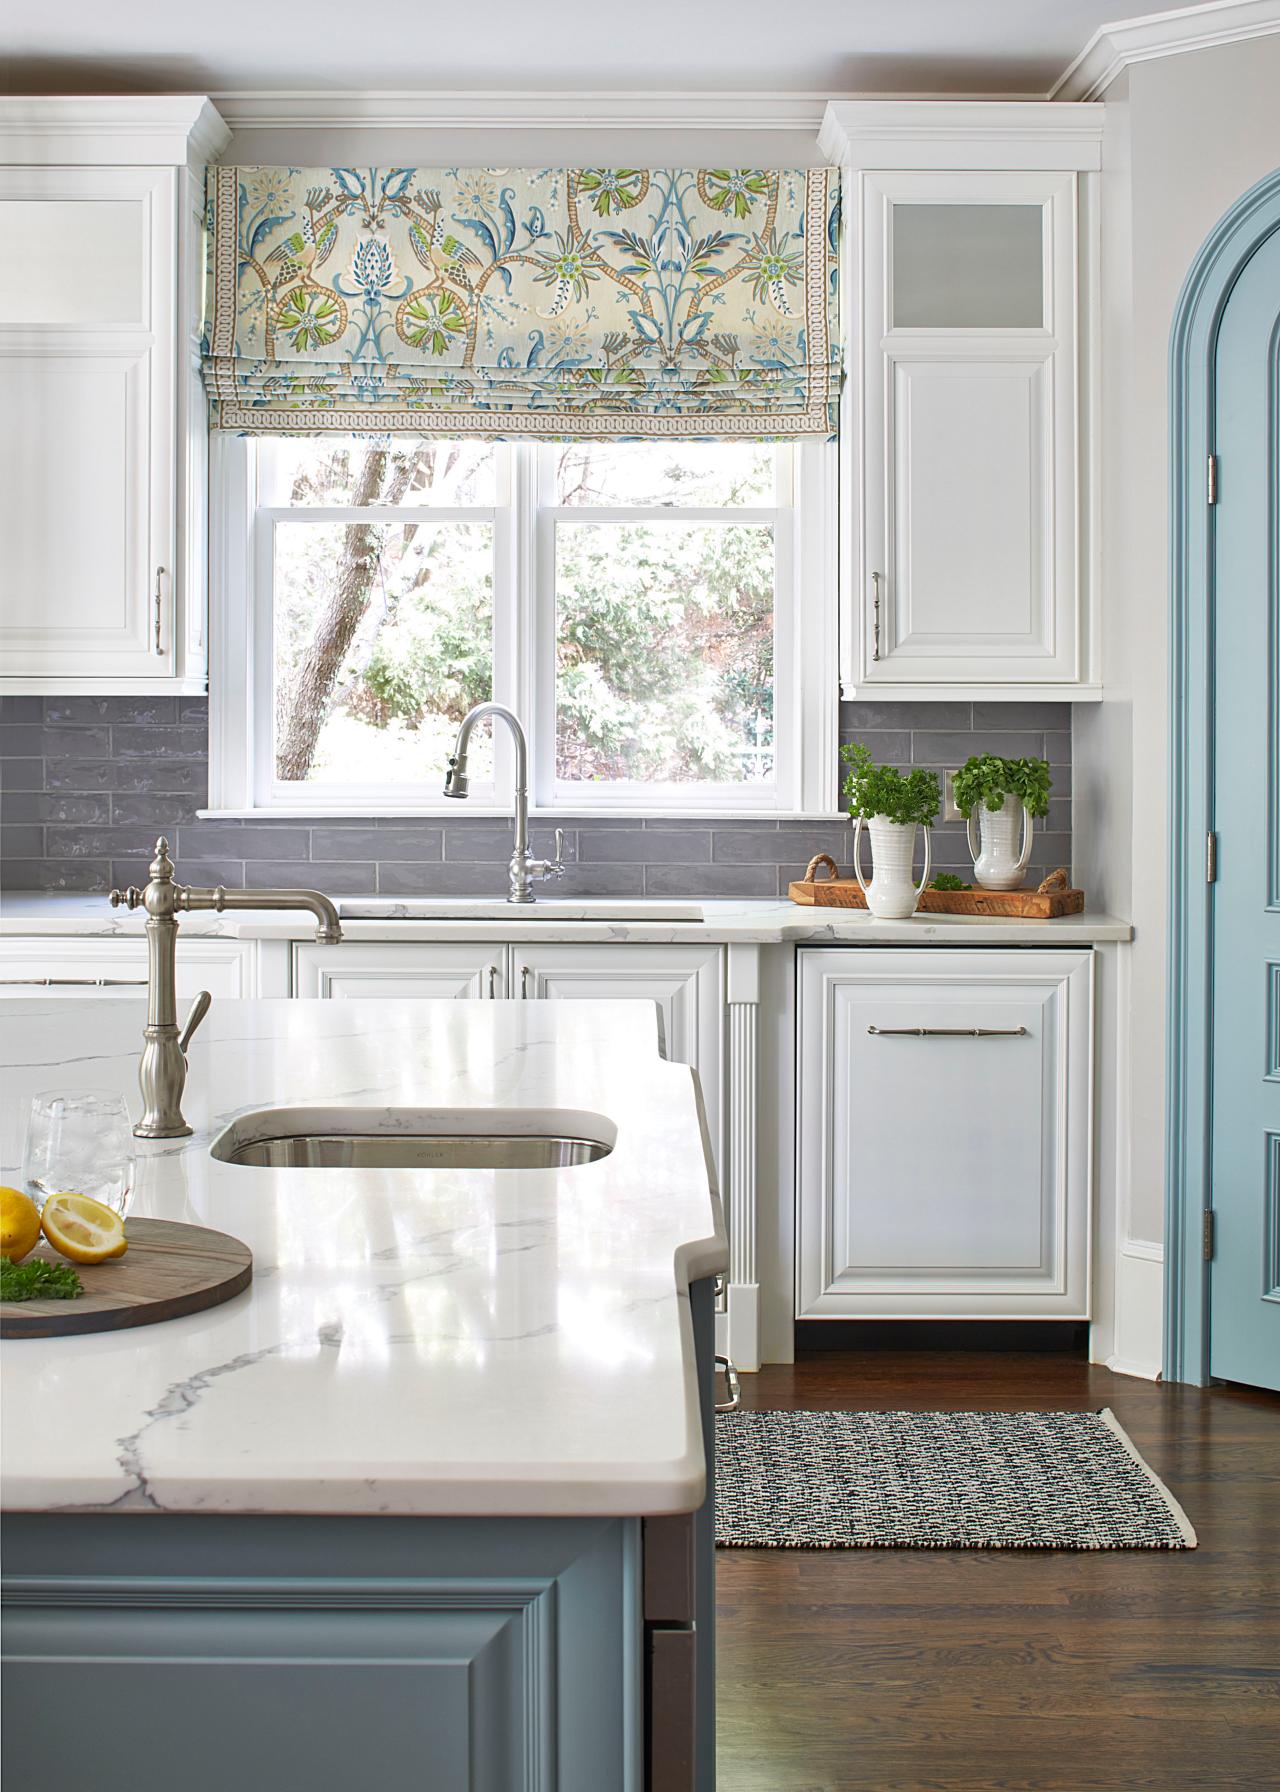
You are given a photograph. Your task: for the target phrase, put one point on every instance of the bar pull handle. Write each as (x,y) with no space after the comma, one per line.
(732,1384)
(525,976)
(493,982)
(949,1032)
(158,602)
(876,579)
(73,982)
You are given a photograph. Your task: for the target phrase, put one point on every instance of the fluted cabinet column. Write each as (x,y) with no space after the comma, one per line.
(742,1293)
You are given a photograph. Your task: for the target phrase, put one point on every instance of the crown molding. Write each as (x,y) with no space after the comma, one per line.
(134,130)
(1113,47)
(871,134)
(481,111)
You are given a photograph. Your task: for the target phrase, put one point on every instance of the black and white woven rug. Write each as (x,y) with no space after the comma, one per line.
(938,1480)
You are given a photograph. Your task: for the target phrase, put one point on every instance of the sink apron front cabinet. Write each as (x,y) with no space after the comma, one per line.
(686,983)
(943,1136)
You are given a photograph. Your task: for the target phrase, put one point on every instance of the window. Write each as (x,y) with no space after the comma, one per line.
(636,603)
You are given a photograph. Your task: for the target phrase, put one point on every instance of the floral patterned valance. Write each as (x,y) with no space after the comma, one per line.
(514,302)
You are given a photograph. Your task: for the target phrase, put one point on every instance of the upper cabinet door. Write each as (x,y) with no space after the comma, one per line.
(87,360)
(970,536)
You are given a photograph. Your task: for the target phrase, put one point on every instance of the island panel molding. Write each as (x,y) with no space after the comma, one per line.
(508,1654)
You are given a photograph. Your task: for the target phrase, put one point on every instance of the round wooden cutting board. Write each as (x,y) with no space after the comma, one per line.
(169,1269)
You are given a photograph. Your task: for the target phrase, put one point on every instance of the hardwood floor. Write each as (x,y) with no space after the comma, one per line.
(974,1671)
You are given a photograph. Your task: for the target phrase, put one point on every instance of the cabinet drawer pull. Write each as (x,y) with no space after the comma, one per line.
(725,1367)
(525,974)
(159,577)
(493,982)
(948,1032)
(73,982)
(875,615)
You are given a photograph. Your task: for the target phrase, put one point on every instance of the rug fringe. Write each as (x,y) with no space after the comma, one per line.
(1185,1527)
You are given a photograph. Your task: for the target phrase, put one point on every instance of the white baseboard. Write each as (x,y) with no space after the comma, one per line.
(1139,1345)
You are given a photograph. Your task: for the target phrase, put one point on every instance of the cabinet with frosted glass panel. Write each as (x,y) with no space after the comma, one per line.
(967,543)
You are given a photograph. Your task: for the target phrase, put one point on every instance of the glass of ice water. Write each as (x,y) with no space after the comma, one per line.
(79,1142)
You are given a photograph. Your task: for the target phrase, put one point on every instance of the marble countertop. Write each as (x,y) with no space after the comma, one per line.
(766,923)
(445,1341)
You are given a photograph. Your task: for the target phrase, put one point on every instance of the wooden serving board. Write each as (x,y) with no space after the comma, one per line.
(1044,904)
(169,1269)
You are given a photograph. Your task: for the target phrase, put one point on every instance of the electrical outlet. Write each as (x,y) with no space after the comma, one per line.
(949,810)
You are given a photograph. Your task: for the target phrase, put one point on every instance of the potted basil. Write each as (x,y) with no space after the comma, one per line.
(893,805)
(996,794)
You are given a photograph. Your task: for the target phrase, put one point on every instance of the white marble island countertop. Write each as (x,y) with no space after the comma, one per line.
(445,1341)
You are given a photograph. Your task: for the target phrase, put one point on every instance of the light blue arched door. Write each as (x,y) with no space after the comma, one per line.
(1244,1278)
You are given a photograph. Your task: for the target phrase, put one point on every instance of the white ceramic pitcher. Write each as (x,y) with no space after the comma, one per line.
(997,862)
(891,894)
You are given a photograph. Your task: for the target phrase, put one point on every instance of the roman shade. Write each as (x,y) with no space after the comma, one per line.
(552,302)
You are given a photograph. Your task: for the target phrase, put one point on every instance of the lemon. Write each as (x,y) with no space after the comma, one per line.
(19,1224)
(83,1229)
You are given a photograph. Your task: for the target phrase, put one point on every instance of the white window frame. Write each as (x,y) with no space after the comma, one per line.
(806,694)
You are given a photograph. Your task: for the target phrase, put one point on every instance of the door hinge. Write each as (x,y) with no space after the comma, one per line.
(1208,1233)
(1211,858)
(1212,480)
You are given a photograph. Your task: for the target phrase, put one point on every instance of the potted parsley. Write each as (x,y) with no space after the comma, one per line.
(995,794)
(893,805)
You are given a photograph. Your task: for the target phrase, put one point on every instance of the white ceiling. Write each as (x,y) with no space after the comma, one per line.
(826,46)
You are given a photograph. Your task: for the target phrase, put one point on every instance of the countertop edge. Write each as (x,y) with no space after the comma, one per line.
(725,922)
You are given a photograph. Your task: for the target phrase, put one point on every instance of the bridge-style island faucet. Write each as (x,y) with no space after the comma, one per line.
(162,1072)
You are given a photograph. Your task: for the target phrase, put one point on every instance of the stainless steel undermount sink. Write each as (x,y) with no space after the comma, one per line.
(456,908)
(415,1139)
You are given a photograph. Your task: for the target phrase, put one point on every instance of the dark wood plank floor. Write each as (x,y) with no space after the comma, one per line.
(974,1671)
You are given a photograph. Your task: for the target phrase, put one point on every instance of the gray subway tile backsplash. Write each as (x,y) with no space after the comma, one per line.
(86,783)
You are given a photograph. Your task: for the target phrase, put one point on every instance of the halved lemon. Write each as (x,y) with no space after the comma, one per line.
(83,1229)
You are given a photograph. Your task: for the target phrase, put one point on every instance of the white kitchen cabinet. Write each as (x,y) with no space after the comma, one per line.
(102,580)
(96,967)
(686,982)
(441,970)
(943,1134)
(967,550)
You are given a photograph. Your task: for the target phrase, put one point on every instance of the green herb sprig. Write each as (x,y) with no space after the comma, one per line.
(871,789)
(947,880)
(988,780)
(37,1279)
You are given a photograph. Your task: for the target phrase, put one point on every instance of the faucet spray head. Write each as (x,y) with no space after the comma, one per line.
(456,782)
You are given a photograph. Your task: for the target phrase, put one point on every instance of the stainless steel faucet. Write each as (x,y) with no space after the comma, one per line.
(162,1073)
(524,870)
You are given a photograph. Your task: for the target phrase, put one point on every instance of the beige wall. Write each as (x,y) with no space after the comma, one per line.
(1186,135)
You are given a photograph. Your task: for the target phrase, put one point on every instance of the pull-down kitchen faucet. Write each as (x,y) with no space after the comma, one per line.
(162,1073)
(524,869)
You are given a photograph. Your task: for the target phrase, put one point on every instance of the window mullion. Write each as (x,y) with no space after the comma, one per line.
(541,637)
